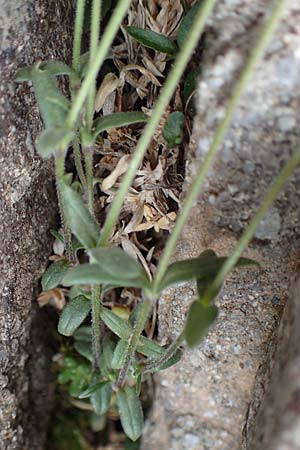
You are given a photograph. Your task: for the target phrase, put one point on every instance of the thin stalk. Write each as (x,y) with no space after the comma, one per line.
(59,173)
(167,91)
(103,48)
(80,4)
(134,339)
(171,350)
(282,178)
(247,72)
(96,325)
(78,163)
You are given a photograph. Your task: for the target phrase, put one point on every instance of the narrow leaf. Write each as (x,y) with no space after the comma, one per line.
(116,120)
(82,223)
(171,362)
(52,140)
(186,24)
(54,274)
(73,315)
(173,129)
(149,348)
(112,267)
(93,388)
(116,324)
(203,267)
(120,354)
(45,88)
(100,399)
(153,40)
(131,413)
(200,318)
(58,68)
(116,262)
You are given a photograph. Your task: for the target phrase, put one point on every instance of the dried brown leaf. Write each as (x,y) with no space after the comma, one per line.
(54,297)
(121,168)
(109,84)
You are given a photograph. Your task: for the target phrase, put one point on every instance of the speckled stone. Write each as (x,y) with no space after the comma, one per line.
(30,31)
(221,384)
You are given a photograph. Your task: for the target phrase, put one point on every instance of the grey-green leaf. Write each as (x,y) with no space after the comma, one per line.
(203,267)
(100,399)
(112,267)
(200,318)
(151,39)
(117,325)
(84,349)
(120,354)
(120,266)
(80,220)
(23,74)
(173,129)
(56,68)
(149,348)
(93,388)
(54,274)
(116,120)
(52,140)
(74,313)
(186,24)
(171,362)
(131,413)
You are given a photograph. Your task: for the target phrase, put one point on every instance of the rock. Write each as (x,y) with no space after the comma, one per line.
(31,31)
(220,386)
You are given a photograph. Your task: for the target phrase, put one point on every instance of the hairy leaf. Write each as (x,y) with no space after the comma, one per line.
(23,74)
(73,315)
(117,325)
(186,24)
(82,223)
(117,120)
(119,354)
(93,388)
(131,413)
(100,399)
(54,274)
(153,40)
(173,129)
(200,318)
(84,349)
(201,268)
(112,267)
(53,139)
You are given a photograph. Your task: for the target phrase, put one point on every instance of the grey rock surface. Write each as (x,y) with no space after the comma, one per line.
(30,31)
(210,400)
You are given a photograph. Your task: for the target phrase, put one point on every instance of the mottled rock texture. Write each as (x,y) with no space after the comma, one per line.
(210,400)
(30,30)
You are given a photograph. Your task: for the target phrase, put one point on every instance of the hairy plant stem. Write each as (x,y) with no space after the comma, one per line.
(96,325)
(78,163)
(103,48)
(167,91)
(141,320)
(80,5)
(59,173)
(171,350)
(196,186)
(282,178)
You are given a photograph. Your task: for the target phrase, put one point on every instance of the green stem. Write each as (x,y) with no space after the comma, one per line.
(78,163)
(78,34)
(94,39)
(104,46)
(248,234)
(253,59)
(171,350)
(59,173)
(88,161)
(96,325)
(141,320)
(172,81)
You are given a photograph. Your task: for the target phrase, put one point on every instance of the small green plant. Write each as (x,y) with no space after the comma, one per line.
(110,365)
